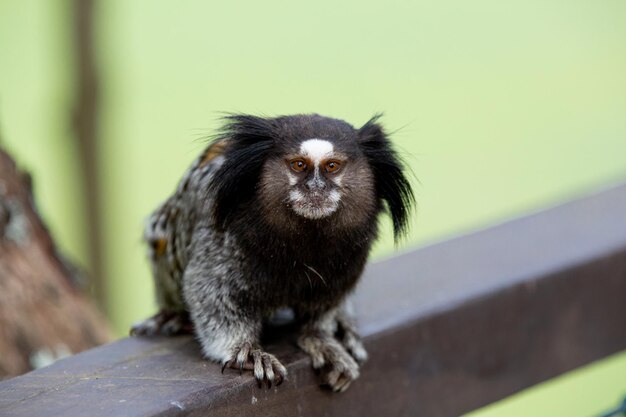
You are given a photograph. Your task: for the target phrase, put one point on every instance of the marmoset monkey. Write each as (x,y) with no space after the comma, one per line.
(277,212)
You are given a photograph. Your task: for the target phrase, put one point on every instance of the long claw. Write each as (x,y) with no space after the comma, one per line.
(266,368)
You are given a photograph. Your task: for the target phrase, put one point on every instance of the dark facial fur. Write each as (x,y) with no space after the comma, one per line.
(277,212)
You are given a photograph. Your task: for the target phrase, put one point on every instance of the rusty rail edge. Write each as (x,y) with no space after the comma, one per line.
(449,328)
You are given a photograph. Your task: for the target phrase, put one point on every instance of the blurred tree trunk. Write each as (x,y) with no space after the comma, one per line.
(84,122)
(43,312)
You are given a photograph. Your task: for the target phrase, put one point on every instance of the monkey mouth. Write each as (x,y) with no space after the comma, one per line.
(314,205)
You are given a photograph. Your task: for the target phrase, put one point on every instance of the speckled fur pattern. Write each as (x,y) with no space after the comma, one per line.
(229,248)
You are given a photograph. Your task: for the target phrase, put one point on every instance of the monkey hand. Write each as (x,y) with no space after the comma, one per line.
(267,369)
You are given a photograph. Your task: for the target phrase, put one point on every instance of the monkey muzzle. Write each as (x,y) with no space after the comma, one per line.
(315,203)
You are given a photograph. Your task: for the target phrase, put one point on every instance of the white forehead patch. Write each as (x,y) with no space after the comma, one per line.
(316,149)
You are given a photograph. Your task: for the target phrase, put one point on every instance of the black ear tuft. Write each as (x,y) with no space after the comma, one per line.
(391,184)
(249,139)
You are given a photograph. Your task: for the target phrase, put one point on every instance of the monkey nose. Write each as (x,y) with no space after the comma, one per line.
(314,185)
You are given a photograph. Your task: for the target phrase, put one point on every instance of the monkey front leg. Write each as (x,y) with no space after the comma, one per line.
(233,341)
(331,341)
(227,334)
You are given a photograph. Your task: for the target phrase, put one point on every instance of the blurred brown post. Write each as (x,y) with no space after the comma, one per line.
(86,133)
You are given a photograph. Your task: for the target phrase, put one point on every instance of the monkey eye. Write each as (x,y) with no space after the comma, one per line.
(298,165)
(332,166)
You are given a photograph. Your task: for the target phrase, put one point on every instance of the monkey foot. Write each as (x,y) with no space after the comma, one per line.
(338,367)
(266,368)
(165,322)
(352,342)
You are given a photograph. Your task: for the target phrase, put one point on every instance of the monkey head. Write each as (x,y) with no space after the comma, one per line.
(308,168)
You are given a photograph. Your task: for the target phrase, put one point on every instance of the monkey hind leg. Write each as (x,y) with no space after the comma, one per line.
(165,322)
(349,337)
(330,339)
(328,355)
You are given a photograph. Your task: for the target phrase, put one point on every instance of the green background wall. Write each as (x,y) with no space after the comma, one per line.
(501,108)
